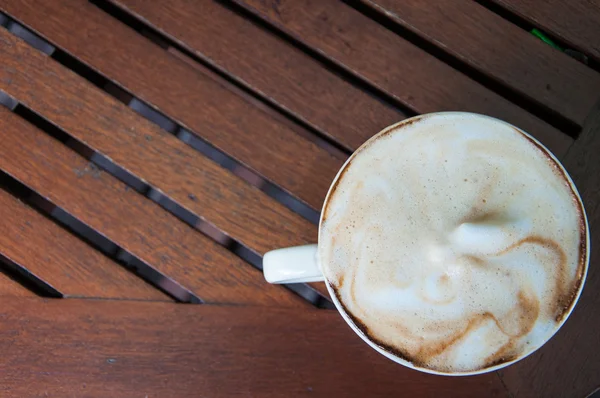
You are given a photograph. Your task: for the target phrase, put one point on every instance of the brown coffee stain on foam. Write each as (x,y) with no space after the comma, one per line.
(506,353)
(526,314)
(333,190)
(522,318)
(364,329)
(402,124)
(527,308)
(565,288)
(477,215)
(474,260)
(569,299)
(516,324)
(424,357)
(382,134)
(486,191)
(566,299)
(444,283)
(528,311)
(359,186)
(341,279)
(427,353)
(340,275)
(354,269)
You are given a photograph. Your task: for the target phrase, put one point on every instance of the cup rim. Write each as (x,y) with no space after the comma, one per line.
(394,357)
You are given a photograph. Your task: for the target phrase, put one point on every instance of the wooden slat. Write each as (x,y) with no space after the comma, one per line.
(8,287)
(128,219)
(146,151)
(257,102)
(233,125)
(576,22)
(166,163)
(394,65)
(136,349)
(55,256)
(569,365)
(502,50)
(270,66)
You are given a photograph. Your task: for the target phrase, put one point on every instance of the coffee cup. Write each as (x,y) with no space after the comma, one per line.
(452,243)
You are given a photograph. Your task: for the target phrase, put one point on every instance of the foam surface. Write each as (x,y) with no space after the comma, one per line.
(453,242)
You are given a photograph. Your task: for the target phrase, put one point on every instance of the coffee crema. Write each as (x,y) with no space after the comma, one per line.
(454,241)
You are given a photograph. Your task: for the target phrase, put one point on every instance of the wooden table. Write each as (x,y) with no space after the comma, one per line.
(151,152)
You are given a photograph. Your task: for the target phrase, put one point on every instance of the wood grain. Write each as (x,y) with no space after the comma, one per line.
(257,102)
(181,173)
(58,258)
(8,287)
(128,349)
(501,50)
(392,64)
(568,365)
(133,222)
(270,66)
(575,22)
(212,112)
(156,157)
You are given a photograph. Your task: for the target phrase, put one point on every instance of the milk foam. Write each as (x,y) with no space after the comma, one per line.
(453,242)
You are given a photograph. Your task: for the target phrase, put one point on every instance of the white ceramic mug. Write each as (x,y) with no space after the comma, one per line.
(301,264)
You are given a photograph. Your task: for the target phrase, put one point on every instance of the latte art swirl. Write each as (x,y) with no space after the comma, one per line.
(455,242)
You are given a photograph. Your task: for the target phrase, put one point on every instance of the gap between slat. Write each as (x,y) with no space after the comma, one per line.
(538,109)
(201,145)
(123,96)
(26,279)
(92,238)
(114,251)
(527,26)
(165,42)
(345,36)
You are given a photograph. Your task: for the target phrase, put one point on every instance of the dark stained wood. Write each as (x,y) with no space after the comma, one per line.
(61,260)
(394,65)
(168,164)
(128,349)
(139,146)
(133,222)
(258,103)
(270,66)
(569,365)
(576,22)
(195,101)
(8,287)
(500,49)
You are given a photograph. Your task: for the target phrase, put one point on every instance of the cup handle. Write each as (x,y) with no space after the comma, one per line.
(292,265)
